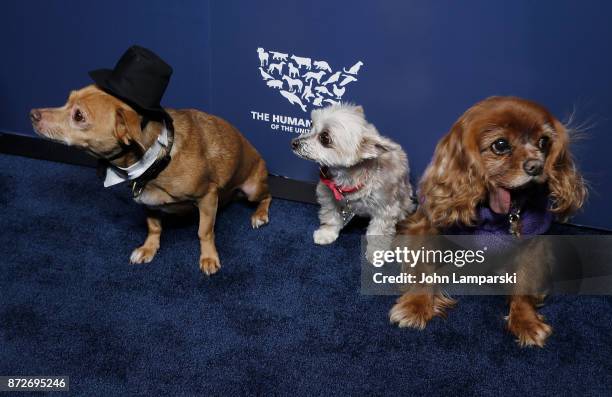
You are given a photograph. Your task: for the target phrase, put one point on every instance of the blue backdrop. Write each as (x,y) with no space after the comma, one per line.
(48,47)
(422,64)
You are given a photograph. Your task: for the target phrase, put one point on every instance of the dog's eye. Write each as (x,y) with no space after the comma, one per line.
(543,143)
(501,146)
(78,116)
(324,138)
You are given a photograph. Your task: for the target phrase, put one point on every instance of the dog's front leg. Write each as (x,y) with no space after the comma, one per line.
(146,252)
(416,308)
(526,323)
(207,206)
(379,234)
(421,302)
(329,216)
(533,264)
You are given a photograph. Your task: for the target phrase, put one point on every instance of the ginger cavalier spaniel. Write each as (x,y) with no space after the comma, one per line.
(498,156)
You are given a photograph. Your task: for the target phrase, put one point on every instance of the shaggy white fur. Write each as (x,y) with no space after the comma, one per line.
(355,154)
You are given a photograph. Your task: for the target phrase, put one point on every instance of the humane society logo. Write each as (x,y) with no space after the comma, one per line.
(304,82)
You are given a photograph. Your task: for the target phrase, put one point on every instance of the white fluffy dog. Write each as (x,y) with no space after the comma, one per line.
(362,172)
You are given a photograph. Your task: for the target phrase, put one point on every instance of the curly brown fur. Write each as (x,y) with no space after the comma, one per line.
(471,167)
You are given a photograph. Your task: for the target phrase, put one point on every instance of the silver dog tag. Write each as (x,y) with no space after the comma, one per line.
(346,212)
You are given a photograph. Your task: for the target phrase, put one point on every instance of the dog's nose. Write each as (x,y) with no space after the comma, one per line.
(533,167)
(35,115)
(295,144)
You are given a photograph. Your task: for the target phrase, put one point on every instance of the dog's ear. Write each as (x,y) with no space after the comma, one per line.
(567,187)
(372,146)
(453,184)
(127,128)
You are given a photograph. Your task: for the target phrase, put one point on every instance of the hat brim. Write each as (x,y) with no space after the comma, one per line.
(101,78)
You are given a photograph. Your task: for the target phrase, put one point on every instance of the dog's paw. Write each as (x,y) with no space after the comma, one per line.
(323,236)
(143,254)
(415,311)
(209,265)
(529,330)
(258,220)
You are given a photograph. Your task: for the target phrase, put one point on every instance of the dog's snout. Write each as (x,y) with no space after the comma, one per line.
(533,167)
(295,143)
(35,115)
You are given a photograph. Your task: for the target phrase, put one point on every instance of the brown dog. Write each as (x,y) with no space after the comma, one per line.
(497,155)
(210,160)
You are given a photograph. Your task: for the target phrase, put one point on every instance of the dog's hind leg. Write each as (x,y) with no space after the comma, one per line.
(381,231)
(256,190)
(146,252)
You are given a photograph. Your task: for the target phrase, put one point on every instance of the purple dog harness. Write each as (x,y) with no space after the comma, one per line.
(529,216)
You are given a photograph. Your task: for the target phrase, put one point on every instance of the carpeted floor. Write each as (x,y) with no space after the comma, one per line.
(282,317)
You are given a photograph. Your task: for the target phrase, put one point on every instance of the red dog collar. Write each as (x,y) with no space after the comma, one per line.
(337,190)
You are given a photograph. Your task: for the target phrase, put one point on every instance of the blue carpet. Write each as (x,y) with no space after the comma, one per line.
(282,317)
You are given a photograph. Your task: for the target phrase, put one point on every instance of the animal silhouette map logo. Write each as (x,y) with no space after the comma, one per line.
(303,81)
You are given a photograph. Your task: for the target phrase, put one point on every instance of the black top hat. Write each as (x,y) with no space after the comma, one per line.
(139,78)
